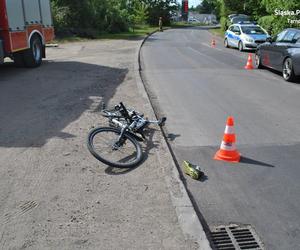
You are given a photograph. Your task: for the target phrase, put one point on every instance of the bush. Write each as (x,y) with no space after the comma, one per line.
(88,18)
(224,24)
(117,20)
(60,15)
(275,24)
(267,22)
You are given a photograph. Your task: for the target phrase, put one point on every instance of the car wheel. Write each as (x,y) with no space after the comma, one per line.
(258,63)
(226,43)
(241,46)
(288,70)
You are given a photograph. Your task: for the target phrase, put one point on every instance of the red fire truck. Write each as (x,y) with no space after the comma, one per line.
(25,28)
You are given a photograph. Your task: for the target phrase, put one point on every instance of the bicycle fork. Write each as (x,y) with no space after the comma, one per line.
(121,139)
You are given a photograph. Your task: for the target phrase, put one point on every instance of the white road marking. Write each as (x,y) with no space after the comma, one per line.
(211,58)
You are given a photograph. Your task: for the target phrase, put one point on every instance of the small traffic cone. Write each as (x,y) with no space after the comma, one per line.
(213,43)
(228,151)
(249,64)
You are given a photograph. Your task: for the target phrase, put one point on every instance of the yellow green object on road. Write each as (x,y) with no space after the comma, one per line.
(192,170)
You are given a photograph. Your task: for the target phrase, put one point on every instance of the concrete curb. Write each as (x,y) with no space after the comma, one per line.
(187,216)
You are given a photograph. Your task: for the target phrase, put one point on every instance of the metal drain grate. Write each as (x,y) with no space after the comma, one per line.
(235,237)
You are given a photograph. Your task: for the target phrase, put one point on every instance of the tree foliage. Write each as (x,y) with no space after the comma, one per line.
(86,17)
(138,13)
(280,22)
(160,8)
(261,10)
(207,7)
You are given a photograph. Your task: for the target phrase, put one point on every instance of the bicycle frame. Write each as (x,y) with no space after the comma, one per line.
(133,121)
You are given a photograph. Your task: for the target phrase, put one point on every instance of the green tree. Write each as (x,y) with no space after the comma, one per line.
(248,7)
(117,16)
(207,7)
(60,15)
(277,23)
(160,8)
(261,10)
(254,8)
(89,17)
(139,13)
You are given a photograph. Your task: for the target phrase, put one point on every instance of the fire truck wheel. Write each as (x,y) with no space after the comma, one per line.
(18,59)
(33,56)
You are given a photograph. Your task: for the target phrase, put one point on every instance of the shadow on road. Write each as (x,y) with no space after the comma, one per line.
(254,162)
(296,81)
(155,39)
(38,104)
(172,137)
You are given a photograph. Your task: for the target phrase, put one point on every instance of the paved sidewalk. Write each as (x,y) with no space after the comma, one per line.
(53,193)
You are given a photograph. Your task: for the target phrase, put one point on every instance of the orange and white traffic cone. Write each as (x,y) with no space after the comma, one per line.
(228,151)
(249,64)
(213,43)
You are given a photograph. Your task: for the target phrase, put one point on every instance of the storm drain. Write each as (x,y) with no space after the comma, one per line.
(235,237)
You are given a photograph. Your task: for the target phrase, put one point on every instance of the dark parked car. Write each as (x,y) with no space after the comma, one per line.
(281,53)
(236,18)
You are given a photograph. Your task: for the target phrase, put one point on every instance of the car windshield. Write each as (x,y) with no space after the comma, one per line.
(255,30)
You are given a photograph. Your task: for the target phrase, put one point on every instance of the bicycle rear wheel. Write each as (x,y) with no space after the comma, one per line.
(102,143)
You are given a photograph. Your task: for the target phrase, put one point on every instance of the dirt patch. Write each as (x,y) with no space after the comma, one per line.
(53,193)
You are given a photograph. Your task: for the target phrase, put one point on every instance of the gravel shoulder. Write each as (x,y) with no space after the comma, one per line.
(54,194)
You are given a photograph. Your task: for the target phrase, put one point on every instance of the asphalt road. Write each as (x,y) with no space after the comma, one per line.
(197,87)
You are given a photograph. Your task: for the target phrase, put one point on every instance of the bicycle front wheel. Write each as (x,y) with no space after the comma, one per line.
(104,145)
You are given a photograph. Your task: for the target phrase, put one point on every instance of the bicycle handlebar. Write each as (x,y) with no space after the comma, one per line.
(133,119)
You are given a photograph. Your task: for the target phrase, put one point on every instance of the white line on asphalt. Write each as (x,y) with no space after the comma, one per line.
(227,52)
(211,58)
(186,39)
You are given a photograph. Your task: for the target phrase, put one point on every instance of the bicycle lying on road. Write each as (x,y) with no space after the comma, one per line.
(118,144)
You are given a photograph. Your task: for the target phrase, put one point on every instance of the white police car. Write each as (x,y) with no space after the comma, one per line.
(245,36)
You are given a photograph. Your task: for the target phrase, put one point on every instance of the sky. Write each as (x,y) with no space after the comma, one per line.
(192,2)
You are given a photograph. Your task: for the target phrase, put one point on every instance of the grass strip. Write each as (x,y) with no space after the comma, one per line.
(217,32)
(137,32)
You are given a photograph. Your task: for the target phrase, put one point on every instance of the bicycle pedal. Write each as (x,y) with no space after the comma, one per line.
(162,121)
(192,170)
